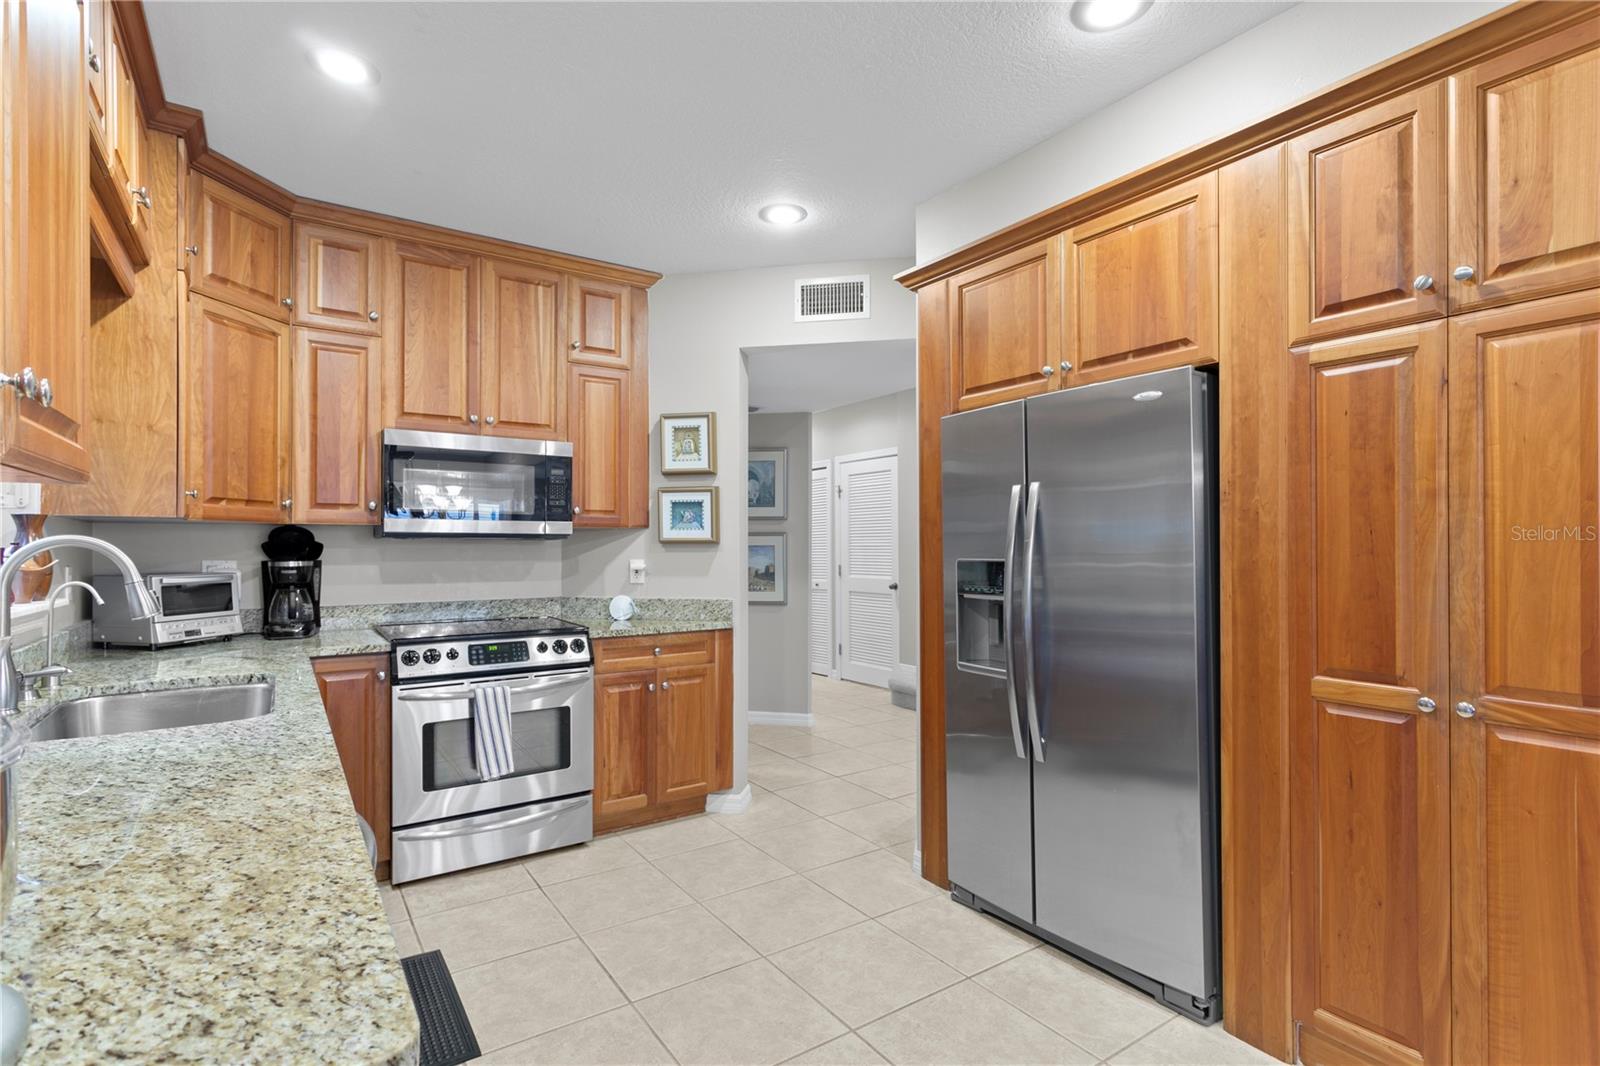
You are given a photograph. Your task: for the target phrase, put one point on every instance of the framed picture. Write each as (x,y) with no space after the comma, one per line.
(686,516)
(767,569)
(689,444)
(768,483)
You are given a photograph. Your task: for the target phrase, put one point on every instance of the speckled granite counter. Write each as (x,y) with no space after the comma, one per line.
(205,891)
(654,617)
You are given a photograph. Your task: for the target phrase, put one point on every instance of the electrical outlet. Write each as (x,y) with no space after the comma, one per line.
(635,571)
(219,566)
(19,497)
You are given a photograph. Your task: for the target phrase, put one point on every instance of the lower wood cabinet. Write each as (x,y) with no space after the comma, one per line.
(355,694)
(663,725)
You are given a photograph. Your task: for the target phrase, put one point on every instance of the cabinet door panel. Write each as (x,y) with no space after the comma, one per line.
(336,282)
(96,37)
(430,334)
(1005,327)
(243,250)
(336,427)
(686,720)
(1142,285)
(236,413)
(1525,638)
(1372,880)
(599,317)
(1525,170)
(355,696)
(599,408)
(1366,218)
(520,365)
(624,738)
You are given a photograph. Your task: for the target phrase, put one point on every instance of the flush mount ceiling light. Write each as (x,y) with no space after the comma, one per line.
(1097,16)
(783,214)
(343,67)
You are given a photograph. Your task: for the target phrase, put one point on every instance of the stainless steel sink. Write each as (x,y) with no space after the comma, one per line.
(133,712)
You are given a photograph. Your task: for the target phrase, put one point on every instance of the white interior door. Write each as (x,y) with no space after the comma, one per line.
(821,635)
(868,567)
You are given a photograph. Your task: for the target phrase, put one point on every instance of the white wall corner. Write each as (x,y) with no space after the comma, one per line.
(736,802)
(780,718)
(916,862)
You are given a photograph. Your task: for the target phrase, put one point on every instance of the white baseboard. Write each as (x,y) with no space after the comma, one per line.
(779,718)
(916,862)
(729,802)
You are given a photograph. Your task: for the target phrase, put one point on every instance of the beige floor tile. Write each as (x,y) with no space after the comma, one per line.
(829,796)
(464,887)
(616,1038)
(890,781)
(909,729)
(875,883)
(759,756)
(673,838)
(848,735)
(405,939)
(597,856)
(875,718)
(616,896)
(394,904)
(847,1050)
(884,823)
(781,914)
(970,1025)
(721,868)
(795,741)
(961,937)
(855,714)
(844,761)
(749,1015)
(521,996)
(807,845)
(892,751)
(906,853)
(1182,1041)
(767,810)
(864,972)
(492,929)
(1090,1009)
(786,774)
(667,950)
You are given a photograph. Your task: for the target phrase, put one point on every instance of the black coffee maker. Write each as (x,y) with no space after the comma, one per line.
(291,584)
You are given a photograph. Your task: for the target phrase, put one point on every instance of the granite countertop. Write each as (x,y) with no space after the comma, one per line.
(205,892)
(601,626)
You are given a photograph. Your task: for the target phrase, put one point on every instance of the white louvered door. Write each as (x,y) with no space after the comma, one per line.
(821,592)
(868,568)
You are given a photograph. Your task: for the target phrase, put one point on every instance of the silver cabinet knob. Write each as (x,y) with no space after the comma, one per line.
(658,651)
(383,675)
(1423,282)
(46,393)
(576,509)
(192,249)
(141,196)
(666,684)
(288,302)
(372,316)
(1466,710)
(489,421)
(193,494)
(652,686)
(23,382)
(372,505)
(1066,366)
(1425,705)
(473,419)
(94,58)
(1047,370)
(574,345)
(286,502)
(1463,273)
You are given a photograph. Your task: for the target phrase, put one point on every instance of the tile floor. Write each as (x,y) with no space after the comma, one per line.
(795,931)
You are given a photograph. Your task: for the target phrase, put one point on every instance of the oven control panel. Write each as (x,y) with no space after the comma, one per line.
(445,658)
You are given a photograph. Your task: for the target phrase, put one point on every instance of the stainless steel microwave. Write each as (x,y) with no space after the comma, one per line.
(462,484)
(190,607)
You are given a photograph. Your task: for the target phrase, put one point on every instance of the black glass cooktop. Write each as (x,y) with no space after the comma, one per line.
(477,627)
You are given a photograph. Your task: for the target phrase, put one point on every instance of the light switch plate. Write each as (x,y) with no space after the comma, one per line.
(219,566)
(635,571)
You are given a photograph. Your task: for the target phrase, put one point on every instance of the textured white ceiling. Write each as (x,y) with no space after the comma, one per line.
(649,134)
(820,377)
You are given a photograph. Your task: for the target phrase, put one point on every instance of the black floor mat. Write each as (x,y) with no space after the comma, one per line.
(447,1037)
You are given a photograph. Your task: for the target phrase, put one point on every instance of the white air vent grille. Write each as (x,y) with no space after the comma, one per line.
(821,299)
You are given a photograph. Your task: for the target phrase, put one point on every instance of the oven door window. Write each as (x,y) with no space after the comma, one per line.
(186,599)
(541,743)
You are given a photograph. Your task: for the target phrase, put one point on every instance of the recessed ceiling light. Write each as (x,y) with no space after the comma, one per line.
(1097,16)
(783,214)
(343,67)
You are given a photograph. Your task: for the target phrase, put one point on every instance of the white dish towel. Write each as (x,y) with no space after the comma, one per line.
(491,731)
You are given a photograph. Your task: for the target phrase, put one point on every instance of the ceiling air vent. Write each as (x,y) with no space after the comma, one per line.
(822,299)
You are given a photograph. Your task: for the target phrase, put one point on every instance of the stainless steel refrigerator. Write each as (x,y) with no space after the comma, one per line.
(1080,666)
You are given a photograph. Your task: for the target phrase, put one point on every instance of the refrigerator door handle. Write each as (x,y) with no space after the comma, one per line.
(1013,513)
(1029,529)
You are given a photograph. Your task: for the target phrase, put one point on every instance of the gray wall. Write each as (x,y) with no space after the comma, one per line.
(780,675)
(883,422)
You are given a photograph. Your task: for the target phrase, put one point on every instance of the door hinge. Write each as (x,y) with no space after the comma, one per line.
(838,490)
(841,649)
(840,568)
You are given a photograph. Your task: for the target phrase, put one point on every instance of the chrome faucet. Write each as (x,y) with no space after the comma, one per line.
(49,676)
(140,604)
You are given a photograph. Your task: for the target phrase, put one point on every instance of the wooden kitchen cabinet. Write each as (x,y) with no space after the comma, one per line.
(599,323)
(241,248)
(97,82)
(355,695)
(44,244)
(430,339)
(337,279)
(1366,218)
(1005,327)
(1525,171)
(625,773)
(336,427)
(687,720)
(1141,285)
(235,396)
(129,165)
(601,418)
(520,366)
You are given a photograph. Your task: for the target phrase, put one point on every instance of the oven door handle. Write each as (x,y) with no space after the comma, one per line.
(489,827)
(573,677)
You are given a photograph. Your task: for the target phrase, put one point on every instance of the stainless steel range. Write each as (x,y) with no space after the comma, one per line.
(447,816)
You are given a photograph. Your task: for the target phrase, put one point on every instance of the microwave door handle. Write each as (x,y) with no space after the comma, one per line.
(468,830)
(1030,528)
(1010,591)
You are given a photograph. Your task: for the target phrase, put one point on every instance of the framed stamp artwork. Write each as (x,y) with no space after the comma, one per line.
(689,444)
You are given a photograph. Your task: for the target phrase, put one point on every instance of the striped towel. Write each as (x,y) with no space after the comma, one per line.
(491,731)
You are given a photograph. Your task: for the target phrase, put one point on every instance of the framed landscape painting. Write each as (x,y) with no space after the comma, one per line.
(768,483)
(689,444)
(767,568)
(686,516)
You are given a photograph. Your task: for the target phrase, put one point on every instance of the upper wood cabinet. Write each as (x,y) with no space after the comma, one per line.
(1141,285)
(1525,171)
(430,339)
(1372,730)
(600,416)
(235,367)
(599,322)
(44,243)
(355,695)
(335,458)
(337,279)
(241,248)
(97,84)
(1525,659)
(129,166)
(1005,327)
(1366,218)
(520,365)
